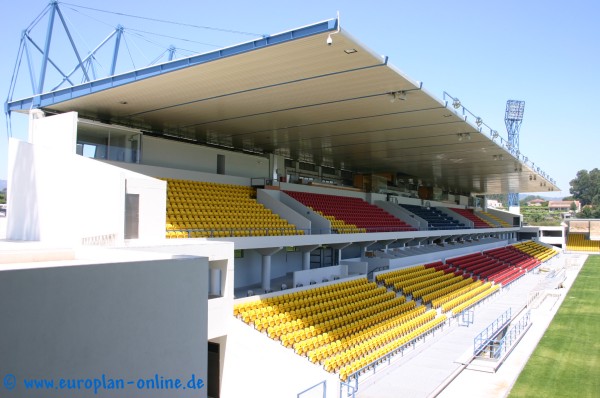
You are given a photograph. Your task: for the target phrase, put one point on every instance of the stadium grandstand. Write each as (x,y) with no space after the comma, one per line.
(277,218)
(583,236)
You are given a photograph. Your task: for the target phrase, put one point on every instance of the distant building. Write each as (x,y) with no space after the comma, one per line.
(564,205)
(494,204)
(536,202)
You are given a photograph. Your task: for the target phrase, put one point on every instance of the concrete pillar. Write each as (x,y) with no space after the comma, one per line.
(306,260)
(339,247)
(215,282)
(363,247)
(266,266)
(266,273)
(306,255)
(386,243)
(404,241)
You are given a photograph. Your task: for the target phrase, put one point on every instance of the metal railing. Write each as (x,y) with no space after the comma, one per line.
(494,135)
(385,360)
(234,232)
(483,339)
(322,383)
(501,347)
(275,231)
(350,390)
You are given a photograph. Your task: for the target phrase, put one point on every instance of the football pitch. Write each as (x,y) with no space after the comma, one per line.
(566,362)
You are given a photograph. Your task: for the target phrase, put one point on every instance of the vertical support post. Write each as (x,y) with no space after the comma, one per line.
(171,52)
(306,255)
(266,273)
(266,266)
(306,260)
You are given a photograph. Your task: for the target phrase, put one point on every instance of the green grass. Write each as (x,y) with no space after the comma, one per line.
(566,362)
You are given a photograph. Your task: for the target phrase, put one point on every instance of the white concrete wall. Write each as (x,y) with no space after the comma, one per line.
(180,155)
(272,200)
(67,199)
(504,215)
(318,274)
(166,172)
(220,256)
(319,224)
(153,199)
(286,186)
(58,132)
(125,320)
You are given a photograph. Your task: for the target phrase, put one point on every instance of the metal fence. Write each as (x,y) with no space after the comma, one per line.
(501,347)
(322,384)
(385,360)
(483,339)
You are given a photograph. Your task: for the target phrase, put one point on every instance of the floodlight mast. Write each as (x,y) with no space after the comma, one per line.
(513,117)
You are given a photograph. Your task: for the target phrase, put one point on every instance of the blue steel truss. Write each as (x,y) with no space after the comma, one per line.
(68,88)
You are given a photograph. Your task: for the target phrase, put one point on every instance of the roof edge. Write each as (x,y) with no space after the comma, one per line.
(65,94)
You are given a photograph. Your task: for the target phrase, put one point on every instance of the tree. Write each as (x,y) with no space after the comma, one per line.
(586,187)
(573,206)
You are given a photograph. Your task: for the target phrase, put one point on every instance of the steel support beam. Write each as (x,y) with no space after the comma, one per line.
(40,87)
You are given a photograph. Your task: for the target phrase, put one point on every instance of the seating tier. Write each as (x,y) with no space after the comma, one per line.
(198,209)
(354,211)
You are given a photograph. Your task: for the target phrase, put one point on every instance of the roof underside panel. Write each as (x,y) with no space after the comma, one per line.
(302,98)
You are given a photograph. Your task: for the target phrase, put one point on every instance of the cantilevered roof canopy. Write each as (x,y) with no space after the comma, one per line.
(293,94)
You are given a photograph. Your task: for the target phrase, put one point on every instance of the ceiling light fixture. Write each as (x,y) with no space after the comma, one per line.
(350,50)
(397,95)
(462,136)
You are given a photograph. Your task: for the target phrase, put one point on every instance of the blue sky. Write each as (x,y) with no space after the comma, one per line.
(483,52)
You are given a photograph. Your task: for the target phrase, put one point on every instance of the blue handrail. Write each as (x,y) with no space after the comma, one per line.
(484,338)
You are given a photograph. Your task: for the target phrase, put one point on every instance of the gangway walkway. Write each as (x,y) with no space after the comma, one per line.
(419,373)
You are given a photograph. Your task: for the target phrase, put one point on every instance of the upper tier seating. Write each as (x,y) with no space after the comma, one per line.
(353,211)
(205,209)
(436,219)
(580,243)
(470,215)
(497,220)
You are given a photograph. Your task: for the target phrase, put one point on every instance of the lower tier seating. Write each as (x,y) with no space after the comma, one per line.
(581,243)
(342,326)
